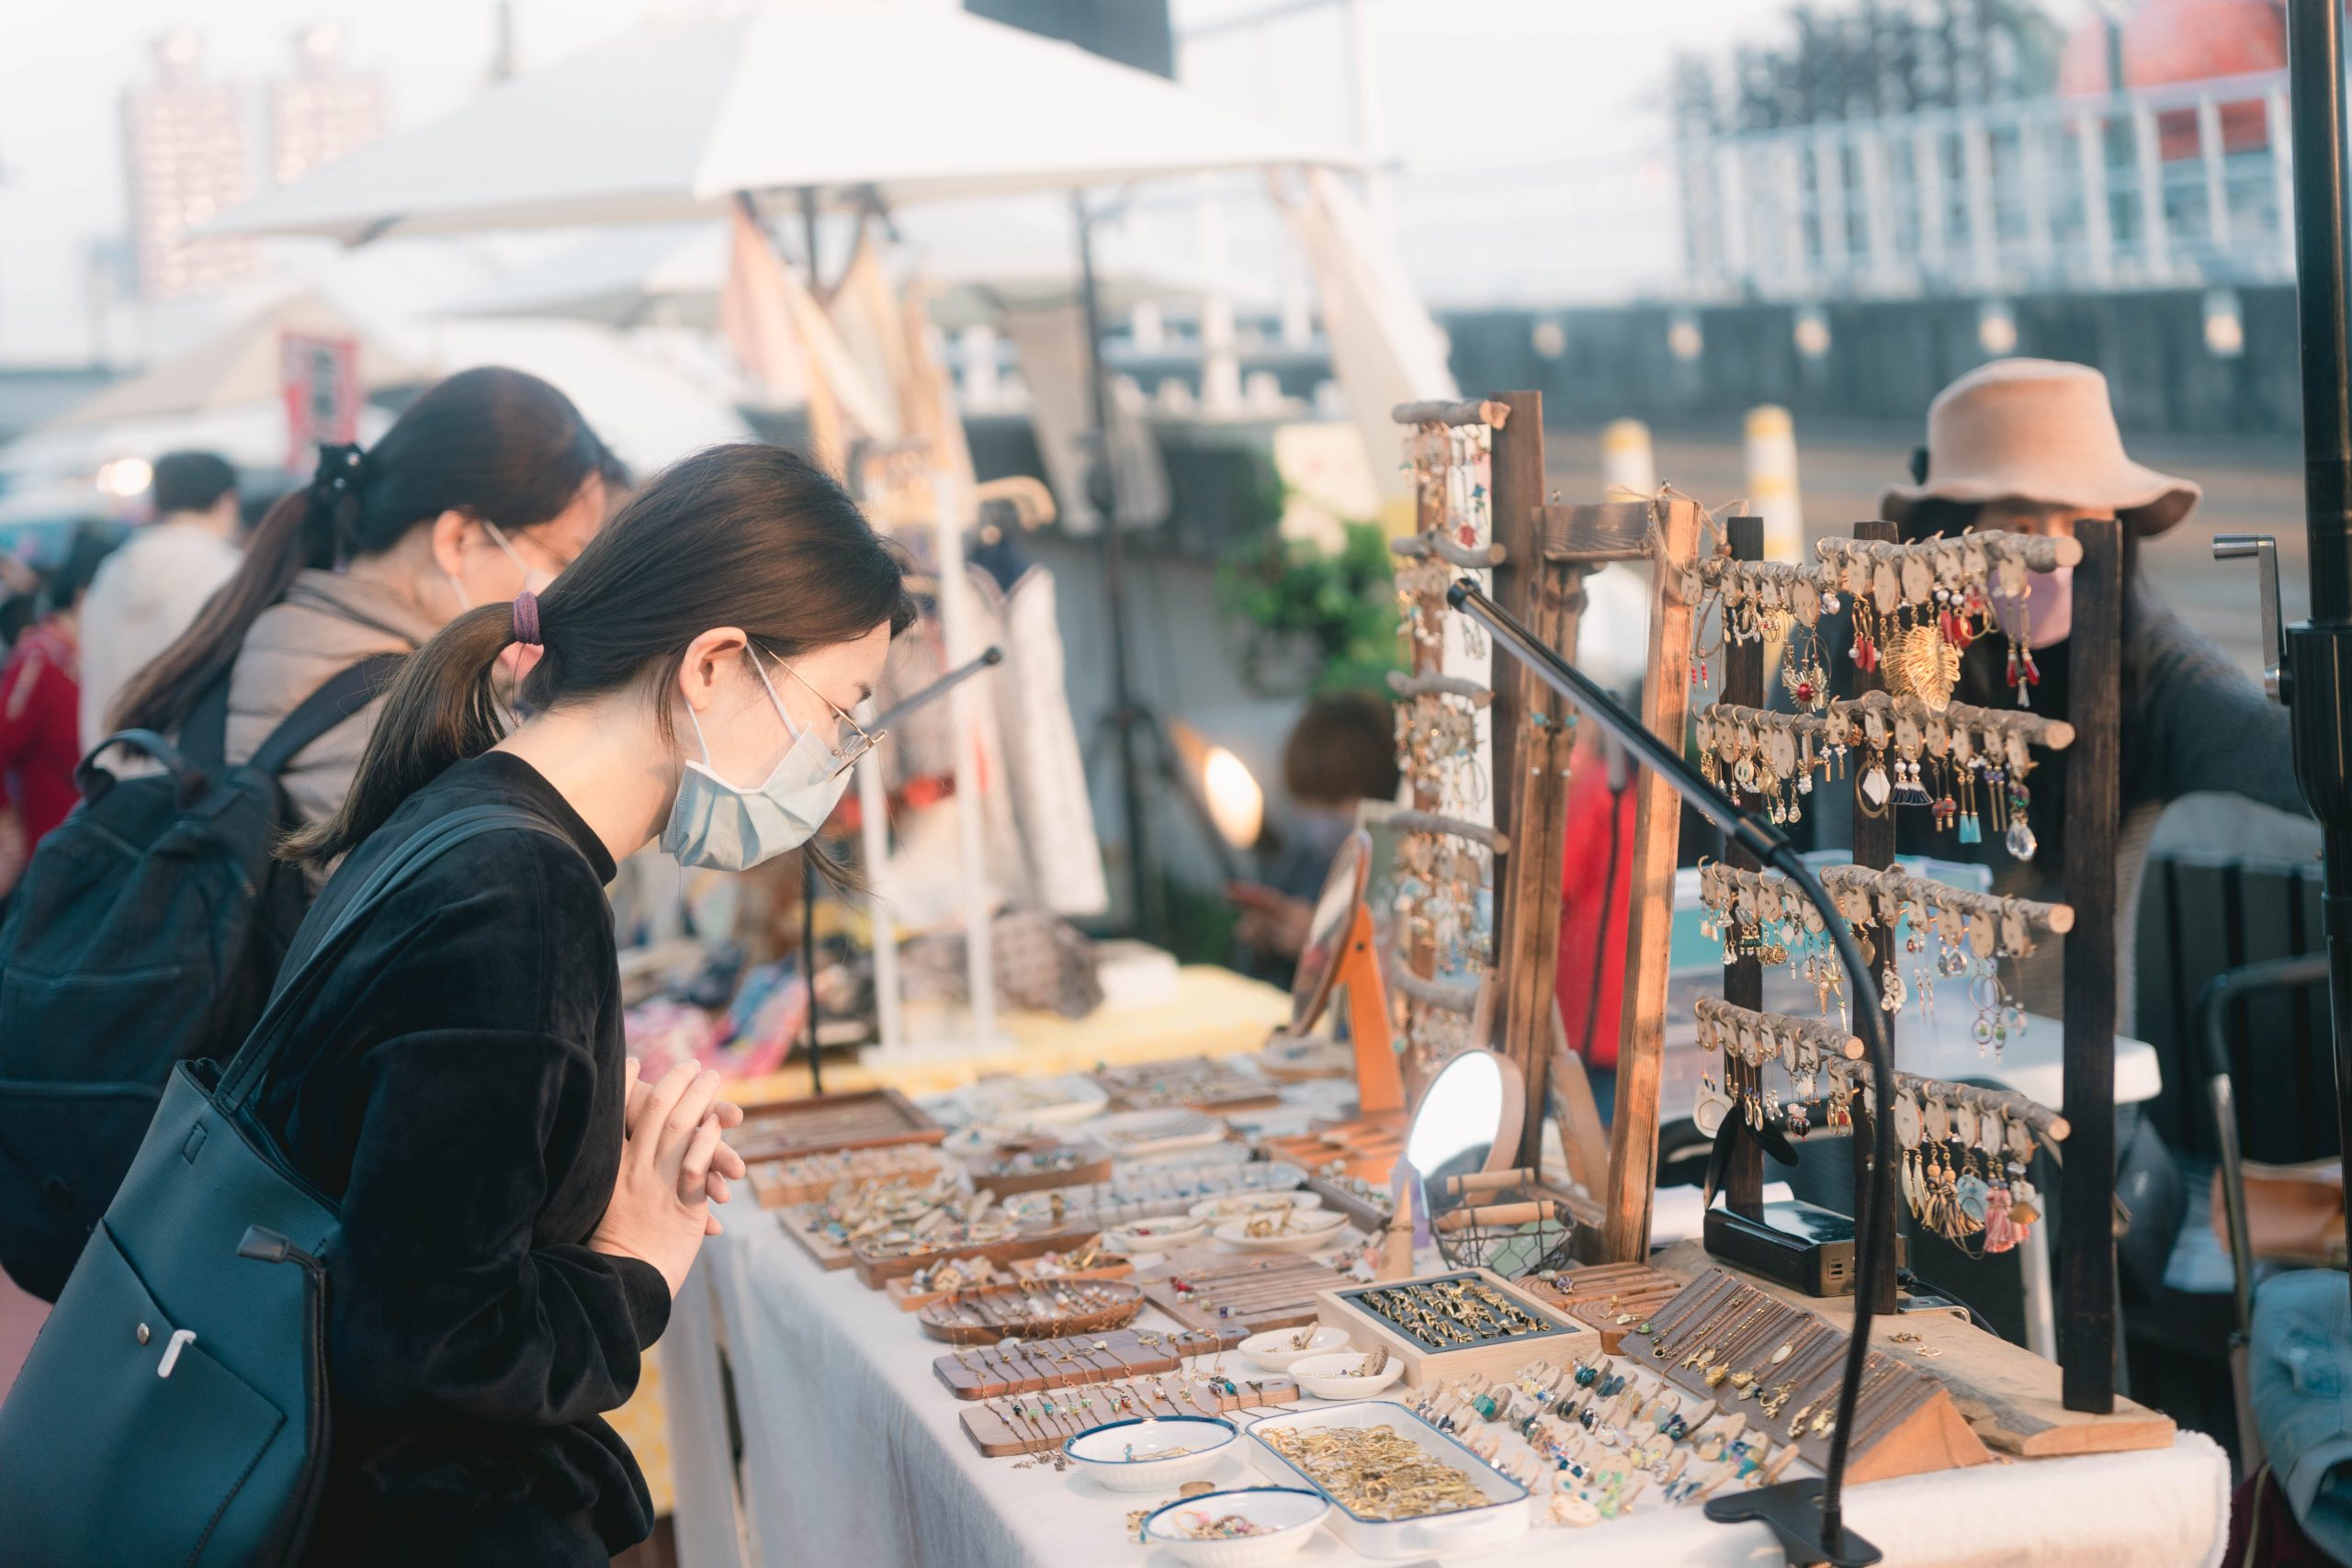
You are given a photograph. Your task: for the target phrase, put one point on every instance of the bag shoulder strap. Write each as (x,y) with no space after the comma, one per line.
(300,982)
(204,735)
(346,692)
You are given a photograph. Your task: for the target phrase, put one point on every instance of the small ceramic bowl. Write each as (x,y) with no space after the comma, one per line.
(1155,1235)
(1303,1230)
(1276,1352)
(1334,1376)
(1145,1453)
(1232,1204)
(1284,1518)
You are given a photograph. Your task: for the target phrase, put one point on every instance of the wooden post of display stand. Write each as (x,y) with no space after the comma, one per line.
(1874,847)
(1671,530)
(2086,1181)
(1529,725)
(1744,976)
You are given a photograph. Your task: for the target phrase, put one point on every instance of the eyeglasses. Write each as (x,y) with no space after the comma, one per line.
(852,740)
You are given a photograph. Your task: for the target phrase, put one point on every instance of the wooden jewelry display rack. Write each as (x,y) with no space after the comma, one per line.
(1897,591)
(1537,554)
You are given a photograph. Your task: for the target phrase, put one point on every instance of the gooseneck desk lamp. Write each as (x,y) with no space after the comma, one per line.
(1807,1516)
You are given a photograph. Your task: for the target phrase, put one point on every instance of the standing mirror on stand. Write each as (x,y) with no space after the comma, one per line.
(1339,958)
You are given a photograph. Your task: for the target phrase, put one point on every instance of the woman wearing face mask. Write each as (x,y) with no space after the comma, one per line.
(2031,445)
(487,485)
(517,1209)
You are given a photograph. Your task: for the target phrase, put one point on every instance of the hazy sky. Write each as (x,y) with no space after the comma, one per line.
(1522,128)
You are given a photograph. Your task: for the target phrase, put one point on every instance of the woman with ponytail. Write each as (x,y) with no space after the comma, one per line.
(517,1209)
(488,484)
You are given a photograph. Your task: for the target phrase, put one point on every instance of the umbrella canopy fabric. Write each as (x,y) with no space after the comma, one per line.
(853,101)
(235,367)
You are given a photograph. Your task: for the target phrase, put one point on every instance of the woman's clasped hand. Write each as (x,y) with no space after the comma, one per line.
(674,1165)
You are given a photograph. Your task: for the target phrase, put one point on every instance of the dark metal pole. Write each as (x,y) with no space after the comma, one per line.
(809,964)
(2318,675)
(1101,496)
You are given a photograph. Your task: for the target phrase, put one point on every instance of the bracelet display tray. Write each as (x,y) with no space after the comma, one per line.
(1253,1293)
(863,1119)
(1081,1359)
(998,1438)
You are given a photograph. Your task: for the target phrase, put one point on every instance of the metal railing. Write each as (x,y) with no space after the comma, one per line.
(2156,188)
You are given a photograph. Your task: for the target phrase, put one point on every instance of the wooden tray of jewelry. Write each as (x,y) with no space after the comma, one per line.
(1200,1083)
(806,1178)
(866,1118)
(1452,1324)
(883,1258)
(1365,1146)
(1608,1296)
(1040,1166)
(989,1372)
(1214,1291)
(1043,1422)
(1031,1309)
(828,1231)
(938,1281)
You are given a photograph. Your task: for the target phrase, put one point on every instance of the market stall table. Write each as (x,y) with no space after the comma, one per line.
(852,1454)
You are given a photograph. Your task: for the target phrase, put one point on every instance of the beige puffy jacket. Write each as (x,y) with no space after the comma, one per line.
(325,623)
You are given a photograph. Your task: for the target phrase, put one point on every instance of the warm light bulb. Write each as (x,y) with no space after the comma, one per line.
(125,476)
(1236,803)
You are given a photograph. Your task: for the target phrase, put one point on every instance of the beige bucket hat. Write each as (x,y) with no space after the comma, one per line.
(2038,430)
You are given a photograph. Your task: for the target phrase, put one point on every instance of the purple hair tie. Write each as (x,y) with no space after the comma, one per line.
(527,618)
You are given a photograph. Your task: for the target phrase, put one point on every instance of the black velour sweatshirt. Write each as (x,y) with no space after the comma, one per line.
(457,1087)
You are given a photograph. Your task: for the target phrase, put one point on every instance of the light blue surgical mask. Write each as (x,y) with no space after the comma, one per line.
(716,824)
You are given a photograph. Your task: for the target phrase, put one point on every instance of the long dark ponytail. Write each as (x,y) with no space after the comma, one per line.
(748,535)
(493,442)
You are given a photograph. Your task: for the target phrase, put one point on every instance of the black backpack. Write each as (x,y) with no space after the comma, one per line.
(148,929)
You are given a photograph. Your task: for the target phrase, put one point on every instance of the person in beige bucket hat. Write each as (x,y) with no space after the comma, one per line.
(2037,432)
(2031,445)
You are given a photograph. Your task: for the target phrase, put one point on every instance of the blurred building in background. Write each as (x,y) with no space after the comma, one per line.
(185,160)
(324,110)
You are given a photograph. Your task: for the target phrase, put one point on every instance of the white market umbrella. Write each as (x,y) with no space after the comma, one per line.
(853,102)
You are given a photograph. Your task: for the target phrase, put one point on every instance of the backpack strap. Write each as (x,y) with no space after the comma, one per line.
(346,692)
(300,982)
(204,735)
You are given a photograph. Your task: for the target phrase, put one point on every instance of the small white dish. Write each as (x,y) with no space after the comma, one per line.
(1226,1206)
(1334,1377)
(1156,1236)
(1285,1517)
(1300,1230)
(1034,1102)
(1145,1453)
(1132,1134)
(1277,1349)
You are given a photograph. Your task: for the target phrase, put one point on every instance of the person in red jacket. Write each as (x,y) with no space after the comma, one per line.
(40,696)
(1596,884)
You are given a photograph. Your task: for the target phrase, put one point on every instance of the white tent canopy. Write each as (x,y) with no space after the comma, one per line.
(854,101)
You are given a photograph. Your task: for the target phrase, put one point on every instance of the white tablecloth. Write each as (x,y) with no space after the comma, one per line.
(853,1458)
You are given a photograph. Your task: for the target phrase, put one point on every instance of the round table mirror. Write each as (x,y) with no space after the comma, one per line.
(1468,1120)
(1328,930)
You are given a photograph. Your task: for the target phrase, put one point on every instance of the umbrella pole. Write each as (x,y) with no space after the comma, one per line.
(1124,716)
(2317,677)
